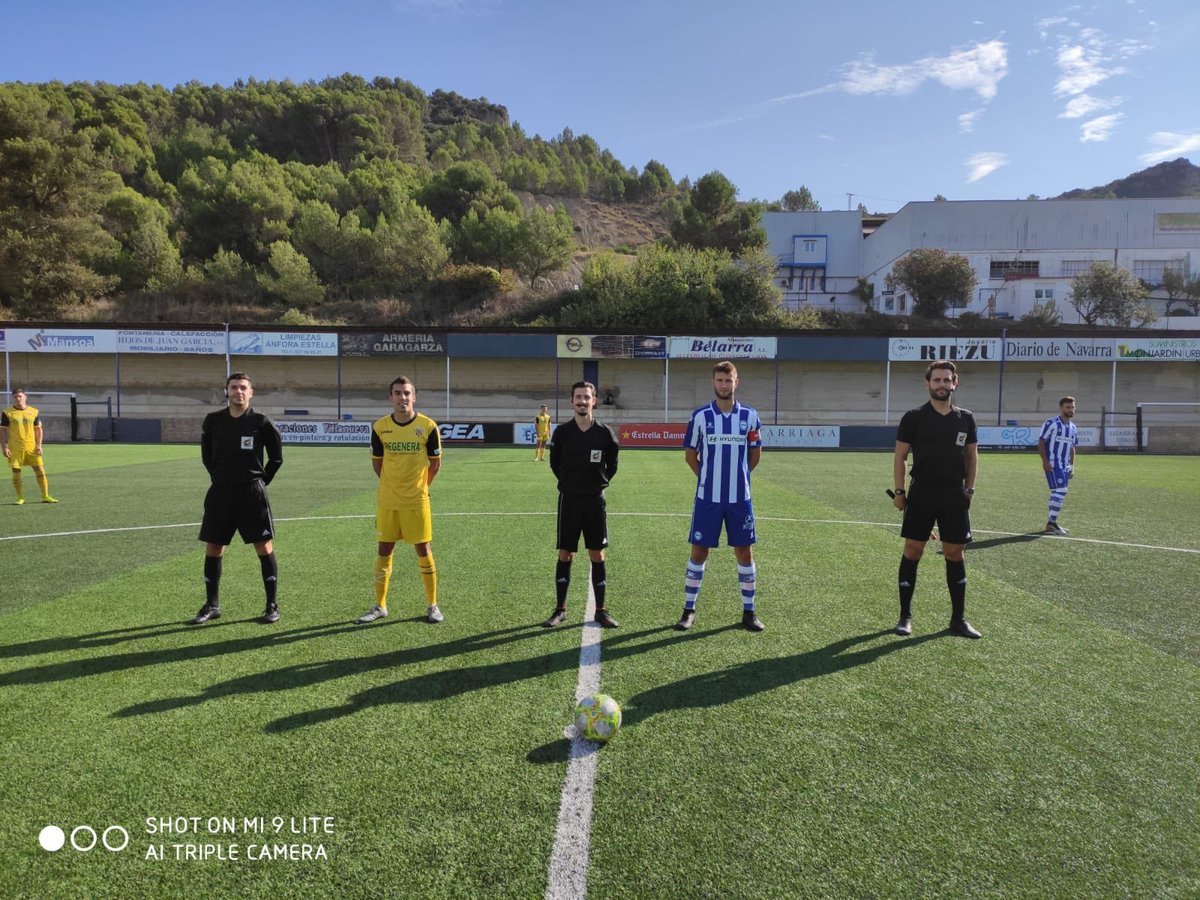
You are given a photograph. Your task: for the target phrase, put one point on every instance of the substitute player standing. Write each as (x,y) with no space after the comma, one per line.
(406,451)
(21,437)
(944,445)
(722,447)
(583,457)
(232,444)
(1057,449)
(541,424)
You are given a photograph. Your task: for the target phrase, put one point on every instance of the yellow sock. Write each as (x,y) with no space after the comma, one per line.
(18,486)
(383,577)
(44,484)
(429,578)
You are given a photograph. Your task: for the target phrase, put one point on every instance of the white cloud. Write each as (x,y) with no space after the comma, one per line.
(1085,105)
(1171,146)
(979,68)
(1082,67)
(1099,130)
(966,121)
(983,164)
(827,137)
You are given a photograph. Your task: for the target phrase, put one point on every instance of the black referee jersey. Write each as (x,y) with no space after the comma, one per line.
(939,444)
(583,461)
(232,447)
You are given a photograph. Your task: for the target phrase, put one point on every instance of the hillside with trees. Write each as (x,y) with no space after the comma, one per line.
(1178,178)
(340,200)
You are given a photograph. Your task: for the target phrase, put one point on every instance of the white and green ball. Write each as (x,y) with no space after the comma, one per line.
(598,717)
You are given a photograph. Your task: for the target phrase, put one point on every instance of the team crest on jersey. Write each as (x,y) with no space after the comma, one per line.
(742,426)
(248,442)
(420,432)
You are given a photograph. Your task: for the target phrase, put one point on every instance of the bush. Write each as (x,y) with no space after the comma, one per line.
(456,285)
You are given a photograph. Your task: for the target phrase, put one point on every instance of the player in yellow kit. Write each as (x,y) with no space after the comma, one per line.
(406,451)
(542,425)
(21,436)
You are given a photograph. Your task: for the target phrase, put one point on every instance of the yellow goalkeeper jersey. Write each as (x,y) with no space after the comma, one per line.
(543,426)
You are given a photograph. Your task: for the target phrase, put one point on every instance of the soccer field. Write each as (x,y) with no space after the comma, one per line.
(1058,756)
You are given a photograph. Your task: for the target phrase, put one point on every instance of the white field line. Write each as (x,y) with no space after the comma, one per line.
(567,878)
(439,515)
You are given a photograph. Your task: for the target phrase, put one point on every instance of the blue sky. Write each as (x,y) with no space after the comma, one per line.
(885,101)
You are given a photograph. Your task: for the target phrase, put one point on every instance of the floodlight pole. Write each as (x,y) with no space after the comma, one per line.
(1000,391)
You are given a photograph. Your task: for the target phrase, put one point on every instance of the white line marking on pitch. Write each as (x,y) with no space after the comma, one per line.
(1081,540)
(567,878)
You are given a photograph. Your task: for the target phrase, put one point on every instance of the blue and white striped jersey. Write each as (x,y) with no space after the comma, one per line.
(1060,437)
(723,443)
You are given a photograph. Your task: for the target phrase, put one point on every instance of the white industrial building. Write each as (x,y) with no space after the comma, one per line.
(1024,252)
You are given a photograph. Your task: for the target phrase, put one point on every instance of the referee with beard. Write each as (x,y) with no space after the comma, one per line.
(583,457)
(233,442)
(944,444)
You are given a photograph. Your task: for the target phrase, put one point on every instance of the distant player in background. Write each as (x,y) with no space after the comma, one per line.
(233,442)
(1057,449)
(21,436)
(541,423)
(944,444)
(406,451)
(722,447)
(583,457)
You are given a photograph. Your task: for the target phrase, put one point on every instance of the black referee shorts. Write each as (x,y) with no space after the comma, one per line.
(237,508)
(947,506)
(586,515)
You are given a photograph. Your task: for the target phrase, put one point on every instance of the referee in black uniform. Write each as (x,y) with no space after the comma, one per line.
(232,444)
(944,446)
(583,457)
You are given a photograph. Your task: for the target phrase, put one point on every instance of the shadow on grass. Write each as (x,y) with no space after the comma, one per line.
(754,677)
(118,662)
(999,542)
(95,639)
(737,682)
(307,674)
(433,686)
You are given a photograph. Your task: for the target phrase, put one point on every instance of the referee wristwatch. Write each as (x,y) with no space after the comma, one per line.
(899,492)
(969,491)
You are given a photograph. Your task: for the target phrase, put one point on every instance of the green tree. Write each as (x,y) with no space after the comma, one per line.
(800,200)
(1108,293)
(1043,315)
(463,187)
(935,279)
(147,258)
(488,241)
(1175,286)
(545,242)
(407,250)
(709,217)
(52,187)
(290,279)
(1191,290)
(865,291)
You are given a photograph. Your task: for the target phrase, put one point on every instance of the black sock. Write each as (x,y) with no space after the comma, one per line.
(562,581)
(599,583)
(908,584)
(212,580)
(956,580)
(270,575)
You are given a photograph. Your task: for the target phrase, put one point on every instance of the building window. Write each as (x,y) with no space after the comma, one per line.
(810,246)
(1073,267)
(903,302)
(1151,270)
(1006,268)
(1043,294)
(889,304)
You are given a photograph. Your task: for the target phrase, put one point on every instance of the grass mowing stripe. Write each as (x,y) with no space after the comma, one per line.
(572,837)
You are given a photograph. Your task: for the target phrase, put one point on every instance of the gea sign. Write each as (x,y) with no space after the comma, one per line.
(461,432)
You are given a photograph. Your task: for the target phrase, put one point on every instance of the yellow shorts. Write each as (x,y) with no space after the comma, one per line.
(25,458)
(413,526)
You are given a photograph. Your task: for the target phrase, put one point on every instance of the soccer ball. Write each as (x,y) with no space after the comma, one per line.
(597,717)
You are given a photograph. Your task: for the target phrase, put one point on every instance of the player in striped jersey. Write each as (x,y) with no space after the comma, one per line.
(1057,448)
(722,446)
